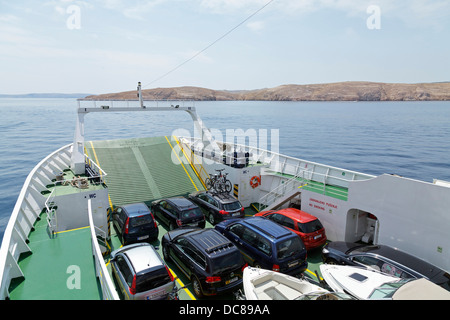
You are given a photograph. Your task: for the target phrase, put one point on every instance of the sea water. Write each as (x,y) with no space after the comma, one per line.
(411,139)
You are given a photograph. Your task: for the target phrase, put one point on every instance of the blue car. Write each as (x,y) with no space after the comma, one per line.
(266,245)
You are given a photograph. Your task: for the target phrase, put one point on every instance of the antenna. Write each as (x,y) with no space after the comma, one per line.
(139,94)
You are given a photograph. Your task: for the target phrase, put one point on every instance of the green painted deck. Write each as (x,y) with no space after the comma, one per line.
(139,170)
(336,192)
(143,170)
(51,271)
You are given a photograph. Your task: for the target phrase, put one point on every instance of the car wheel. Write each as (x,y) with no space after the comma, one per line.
(331,261)
(165,251)
(197,287)
(256,264)
(211,219)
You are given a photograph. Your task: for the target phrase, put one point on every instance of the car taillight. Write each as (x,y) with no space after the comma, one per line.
(245,266)
(242,209)
(126,225)
(223,212)
(276,268)
(170,274)
(179,223)
(154,221)
(133,286)
(213,279)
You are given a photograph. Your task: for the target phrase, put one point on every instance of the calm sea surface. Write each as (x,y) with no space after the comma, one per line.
(411,139)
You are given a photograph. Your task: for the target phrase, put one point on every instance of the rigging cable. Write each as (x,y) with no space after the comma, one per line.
(211,44)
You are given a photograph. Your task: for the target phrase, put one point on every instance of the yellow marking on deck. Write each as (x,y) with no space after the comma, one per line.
(181,163)
(72,230)
(190,162)
(96,160)
(182,284)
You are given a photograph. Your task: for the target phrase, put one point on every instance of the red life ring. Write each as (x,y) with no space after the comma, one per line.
(255,181)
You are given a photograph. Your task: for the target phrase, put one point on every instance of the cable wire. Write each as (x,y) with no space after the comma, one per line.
(210,45)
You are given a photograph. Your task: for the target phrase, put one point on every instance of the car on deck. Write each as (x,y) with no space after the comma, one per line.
(218,206)
(135,223)
(307,226)
(178,212)
(141,274)
(266,244)
(210,261)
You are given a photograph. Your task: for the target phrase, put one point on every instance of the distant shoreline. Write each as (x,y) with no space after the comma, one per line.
(339,91)
(45,95)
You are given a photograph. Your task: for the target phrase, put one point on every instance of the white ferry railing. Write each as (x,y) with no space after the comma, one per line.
(52,220)
(131,103)
(97,172)
(281,191)
(279,163)
(26,210)
(108,289)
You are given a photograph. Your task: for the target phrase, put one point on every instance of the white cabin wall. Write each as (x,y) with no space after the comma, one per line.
(330,211)
(413,215)
(72,209)
(240,176)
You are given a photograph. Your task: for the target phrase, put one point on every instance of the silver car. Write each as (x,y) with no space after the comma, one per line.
(141,274)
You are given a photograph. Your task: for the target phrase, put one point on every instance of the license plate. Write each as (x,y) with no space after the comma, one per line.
(292,264)
(237,214)
(143,237)
(318,236)
(231,280)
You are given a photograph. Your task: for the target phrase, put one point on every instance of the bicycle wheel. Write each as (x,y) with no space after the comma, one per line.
(208,183)
(219,186)
(228,186)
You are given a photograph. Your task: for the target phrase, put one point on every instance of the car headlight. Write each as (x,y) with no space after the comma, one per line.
(325,251)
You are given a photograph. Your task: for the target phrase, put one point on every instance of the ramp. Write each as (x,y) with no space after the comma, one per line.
(143,169)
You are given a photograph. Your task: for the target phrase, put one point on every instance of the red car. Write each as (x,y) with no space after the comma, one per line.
(305,225)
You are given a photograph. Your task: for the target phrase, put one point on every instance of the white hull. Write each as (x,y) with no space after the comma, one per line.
(356,281)
(261,284)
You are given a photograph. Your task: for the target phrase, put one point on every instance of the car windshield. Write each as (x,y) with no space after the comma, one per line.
(310,226)
(153,279)
(232,206)
(220,263)
(191,213)
(141,220)
(386,290)
(289,247)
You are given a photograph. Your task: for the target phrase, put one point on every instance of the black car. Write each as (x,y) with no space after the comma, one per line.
(385,259)
(212,263)
(218,207)
(135,223)
(178,212)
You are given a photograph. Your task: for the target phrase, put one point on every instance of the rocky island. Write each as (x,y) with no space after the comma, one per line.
(339,91)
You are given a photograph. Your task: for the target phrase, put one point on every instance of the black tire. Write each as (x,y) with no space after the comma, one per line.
(208,183)
(228,186)
(165,252)
(196,286)
(211,218)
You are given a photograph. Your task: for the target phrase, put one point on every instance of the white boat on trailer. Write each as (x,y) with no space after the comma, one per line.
(262,284)
(367,284)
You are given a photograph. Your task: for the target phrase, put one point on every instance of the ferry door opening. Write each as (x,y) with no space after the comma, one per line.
(361,226)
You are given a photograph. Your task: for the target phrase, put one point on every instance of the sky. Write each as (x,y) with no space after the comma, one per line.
(103,46)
